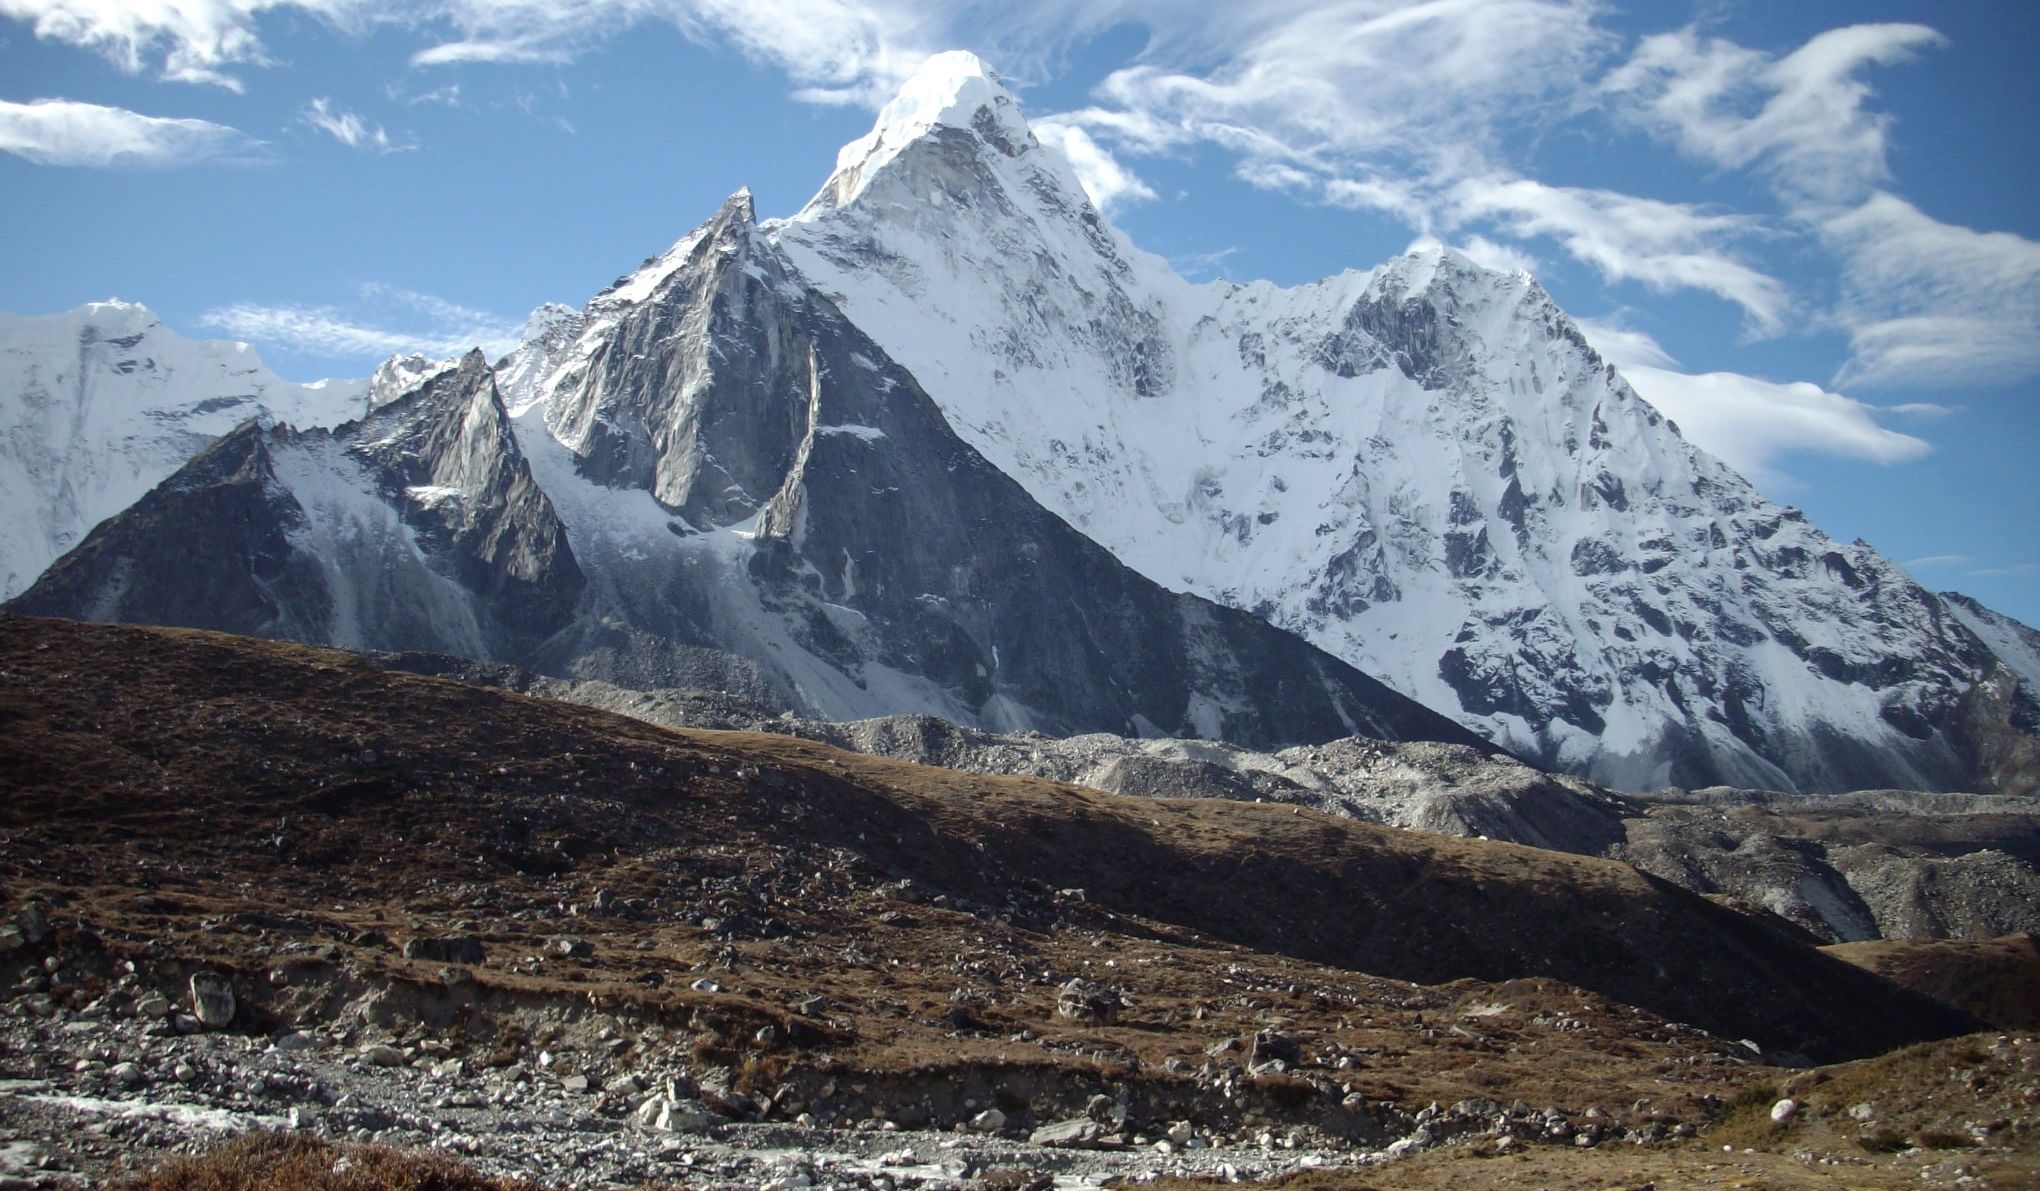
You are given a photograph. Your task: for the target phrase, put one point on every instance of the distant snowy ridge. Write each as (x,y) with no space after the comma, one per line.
(100,404)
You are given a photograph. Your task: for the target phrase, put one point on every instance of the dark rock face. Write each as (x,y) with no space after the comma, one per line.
(957,574)
(224,505)
(449,448)
(418,527)
(886,566)
(696,397)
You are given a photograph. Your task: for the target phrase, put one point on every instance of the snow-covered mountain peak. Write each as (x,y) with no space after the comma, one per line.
(99,403)
(953,91)
(399,375)
(738,214)
(1422,468)
(546,319)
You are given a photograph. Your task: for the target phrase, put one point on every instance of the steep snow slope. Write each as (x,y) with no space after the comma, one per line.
(2016,644)
(100,404)
(1423,469)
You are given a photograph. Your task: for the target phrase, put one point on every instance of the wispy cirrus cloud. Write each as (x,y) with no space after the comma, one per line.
(845,48)
(66,132)
(1664,246)
(350,129)
(1803,118)
(1748,422)
(1923,302)
(1108,183)
(1405,110)
(385,320)
(187,41)
(1931,303)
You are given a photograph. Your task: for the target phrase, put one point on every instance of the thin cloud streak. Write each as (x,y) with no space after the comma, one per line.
(447,329)
(349,129)
(64,132)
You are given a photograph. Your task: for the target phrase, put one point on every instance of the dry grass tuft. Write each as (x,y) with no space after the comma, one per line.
(296,1162)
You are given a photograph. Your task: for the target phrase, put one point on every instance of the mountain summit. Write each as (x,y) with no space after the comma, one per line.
(952,90)
(1423,468)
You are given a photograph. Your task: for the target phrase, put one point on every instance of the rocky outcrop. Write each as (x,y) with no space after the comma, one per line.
(417,527)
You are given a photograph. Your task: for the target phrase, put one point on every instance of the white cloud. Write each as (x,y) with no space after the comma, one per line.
(1744,421)
(1506,257)
(197,41)
(447,328)
(2016,569)
(1103,177)
(1749,423)
(1936,560)
(1801,118)
(1931,303)
(349,129)
(1623,345)
(840,44)
(1665,246)
(1332,81)
(1481,251)
(1397,198)
(66,132)
(1273,175)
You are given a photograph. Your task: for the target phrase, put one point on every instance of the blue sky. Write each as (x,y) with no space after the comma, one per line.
(1806,231)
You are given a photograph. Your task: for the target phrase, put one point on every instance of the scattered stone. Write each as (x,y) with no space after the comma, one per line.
(575,1083)
(1075,1133)
(1081,1000)
(705,985)
(11,939)
(445,949)
(573,948)
(1782,1111)
(1273,1051)
(990,1120)
(383,1054)
(671,1115)
(33,923)
(155,1007)
(212,1000)
(127,1075)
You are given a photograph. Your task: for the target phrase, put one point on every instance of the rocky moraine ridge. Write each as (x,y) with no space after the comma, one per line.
(234,903)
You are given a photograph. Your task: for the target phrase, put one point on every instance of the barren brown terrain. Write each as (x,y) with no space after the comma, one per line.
(513,896)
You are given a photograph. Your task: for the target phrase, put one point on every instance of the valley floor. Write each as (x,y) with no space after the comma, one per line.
(258,887)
